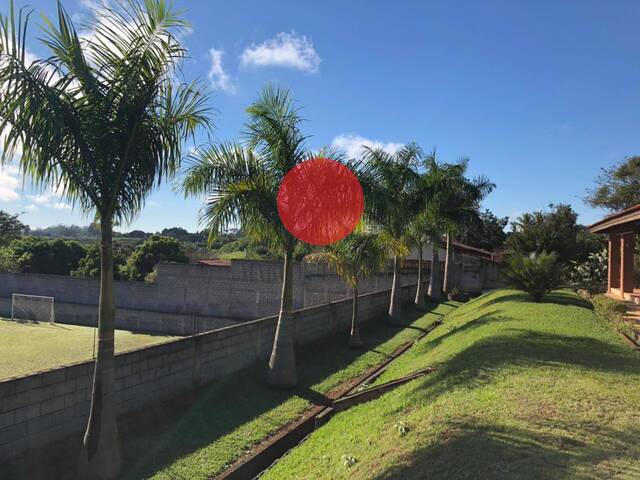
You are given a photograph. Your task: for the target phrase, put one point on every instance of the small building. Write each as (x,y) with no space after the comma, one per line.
(621,227)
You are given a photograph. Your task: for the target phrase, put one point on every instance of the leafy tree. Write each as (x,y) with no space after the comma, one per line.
(393,198)
(10,262)
(136,234)
(149,253)
(617,187)
(67,231)
(591,274)
(53,257)
(358,256)
(224,238)
(535,273)
(183,235)
(241,183)
(487,233)
(89,266)
(556,231)
(104,120)
(10,227)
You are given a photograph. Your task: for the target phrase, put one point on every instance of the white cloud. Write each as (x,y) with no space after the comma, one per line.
(353,145)
(31,208)
(61,206)
(219,78)
(93,4)
(285,50)
(9,184)
(50,199)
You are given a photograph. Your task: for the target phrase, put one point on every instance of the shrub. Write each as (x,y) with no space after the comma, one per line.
(612,311)
(536,273)
(591,274)
(454,294)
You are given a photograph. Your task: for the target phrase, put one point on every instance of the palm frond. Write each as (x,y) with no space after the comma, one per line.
(102,116)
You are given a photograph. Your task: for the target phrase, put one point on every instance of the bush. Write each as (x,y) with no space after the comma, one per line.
(536,273)
(590,275)
(612,311)
(454,294)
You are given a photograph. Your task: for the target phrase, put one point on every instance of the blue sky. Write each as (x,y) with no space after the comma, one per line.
(539,95)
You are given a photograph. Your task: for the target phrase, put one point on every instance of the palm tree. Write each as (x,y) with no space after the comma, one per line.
(104,121)
(358,256)
(434,291)
(438,180)
(459,205)
(423,231)
(392,199)
(240,182)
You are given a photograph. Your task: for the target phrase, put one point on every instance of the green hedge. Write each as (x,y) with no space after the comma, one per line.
(612,311)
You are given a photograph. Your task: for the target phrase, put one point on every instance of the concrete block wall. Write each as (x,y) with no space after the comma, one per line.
(40,408)
(217,295)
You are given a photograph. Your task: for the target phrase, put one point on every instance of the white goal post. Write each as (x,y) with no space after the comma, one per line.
(33,308)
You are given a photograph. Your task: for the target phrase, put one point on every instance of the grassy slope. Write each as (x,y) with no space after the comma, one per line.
(30,347)
(200,436)
(231,417)
(523,391)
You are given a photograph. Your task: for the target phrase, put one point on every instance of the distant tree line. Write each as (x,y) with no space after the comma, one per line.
(59,256)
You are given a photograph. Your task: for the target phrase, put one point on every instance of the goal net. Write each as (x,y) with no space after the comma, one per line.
(32,308)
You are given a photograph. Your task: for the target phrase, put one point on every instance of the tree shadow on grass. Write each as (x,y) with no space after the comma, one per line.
(155,437)
(559,297)
(525,349)
(483,320)
(487,359)
(479,451)
(544,449)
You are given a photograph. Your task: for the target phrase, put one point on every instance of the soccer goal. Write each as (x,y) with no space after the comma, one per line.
(32,308)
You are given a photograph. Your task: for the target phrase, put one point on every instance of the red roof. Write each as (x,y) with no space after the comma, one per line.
(468,249)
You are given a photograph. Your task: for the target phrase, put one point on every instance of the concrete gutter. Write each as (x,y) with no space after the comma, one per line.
(271,450)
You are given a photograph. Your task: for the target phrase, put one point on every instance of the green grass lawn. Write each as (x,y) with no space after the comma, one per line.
(201,435)
(236,255)
(523,390)
(28,347)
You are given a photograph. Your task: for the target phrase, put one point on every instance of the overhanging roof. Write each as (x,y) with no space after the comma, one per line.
(628,217)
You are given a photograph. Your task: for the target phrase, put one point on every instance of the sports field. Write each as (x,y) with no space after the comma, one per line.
(27,348)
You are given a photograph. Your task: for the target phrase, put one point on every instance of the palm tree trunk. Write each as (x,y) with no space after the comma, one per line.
(395,309)
(420,301)
(282,372)
(434,276)
(354,336)
(447,266)
(100,456)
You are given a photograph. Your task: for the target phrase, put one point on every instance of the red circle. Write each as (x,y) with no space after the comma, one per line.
(320,201)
